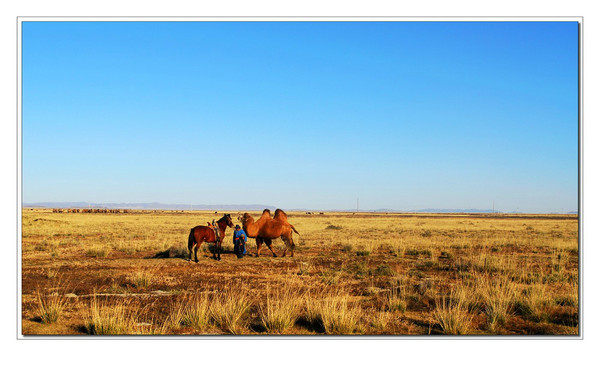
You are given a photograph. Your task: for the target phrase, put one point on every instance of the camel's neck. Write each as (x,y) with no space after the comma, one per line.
(250,227)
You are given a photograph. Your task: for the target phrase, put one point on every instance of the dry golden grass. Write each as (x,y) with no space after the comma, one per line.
(334,313)
(280,310)
(353,274)
(451,313)
(228,311)
(190,311)
(111,318)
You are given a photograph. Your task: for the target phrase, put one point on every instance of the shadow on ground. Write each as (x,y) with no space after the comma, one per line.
(171,253)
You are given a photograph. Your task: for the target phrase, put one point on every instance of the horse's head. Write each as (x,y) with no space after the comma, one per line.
(227,218)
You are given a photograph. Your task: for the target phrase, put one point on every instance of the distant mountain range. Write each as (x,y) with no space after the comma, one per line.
(161,206)
(240,207)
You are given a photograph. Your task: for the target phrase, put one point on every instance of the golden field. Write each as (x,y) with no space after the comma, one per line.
(352,274)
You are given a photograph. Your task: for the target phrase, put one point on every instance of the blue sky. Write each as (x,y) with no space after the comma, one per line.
(402,115)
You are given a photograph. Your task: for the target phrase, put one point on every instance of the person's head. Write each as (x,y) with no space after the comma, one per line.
(237,227)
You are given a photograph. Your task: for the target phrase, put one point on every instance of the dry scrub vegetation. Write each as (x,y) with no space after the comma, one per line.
(353,274)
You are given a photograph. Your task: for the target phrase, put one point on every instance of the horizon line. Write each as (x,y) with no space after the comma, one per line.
(195,207)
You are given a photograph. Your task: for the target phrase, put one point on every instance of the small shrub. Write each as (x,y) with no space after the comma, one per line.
(333,227)
(570,300)
(416,252)
(347,248)
(50,307)
(426,252)
(363,253)
(381,321)
(97,252)
(447,255)
(359,269)
(383,270)
(40,247)
(141,279)
(304,268)
(395,300)
(330,277)
(533,303)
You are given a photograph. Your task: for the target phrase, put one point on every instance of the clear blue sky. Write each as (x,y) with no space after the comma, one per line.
(403,115)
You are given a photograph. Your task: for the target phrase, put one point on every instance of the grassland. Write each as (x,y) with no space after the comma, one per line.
(359,274)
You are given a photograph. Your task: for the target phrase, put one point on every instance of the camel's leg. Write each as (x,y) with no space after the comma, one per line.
(268,242)
(289,243)
(292,246)
(259,242)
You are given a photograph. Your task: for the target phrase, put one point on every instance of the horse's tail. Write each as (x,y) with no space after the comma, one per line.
(191,240)
(294,229)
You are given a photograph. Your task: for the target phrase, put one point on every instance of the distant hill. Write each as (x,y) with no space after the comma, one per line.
(434,210)
(160,206)
(240,207)
(426,210)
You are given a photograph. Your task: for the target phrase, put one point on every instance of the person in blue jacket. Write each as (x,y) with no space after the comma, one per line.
(239,242)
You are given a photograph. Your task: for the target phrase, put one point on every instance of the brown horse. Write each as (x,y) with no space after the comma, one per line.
(266,229)
(202,233)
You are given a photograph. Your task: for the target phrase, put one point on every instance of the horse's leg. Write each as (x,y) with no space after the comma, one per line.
(214,251)
(196,251)
(259,242)
(268,242)
(218,244)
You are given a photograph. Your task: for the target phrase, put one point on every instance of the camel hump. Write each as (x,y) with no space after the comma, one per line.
(279,214)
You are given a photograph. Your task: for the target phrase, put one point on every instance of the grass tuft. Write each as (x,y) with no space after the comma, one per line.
(107,319)
(395,300)
(192,311)
(228,311)
(141,279)
(280,311)
(333,314)
(451,314)
(50,307)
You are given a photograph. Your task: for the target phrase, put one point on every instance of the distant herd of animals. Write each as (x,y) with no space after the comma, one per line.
(89,210)
(264,230)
